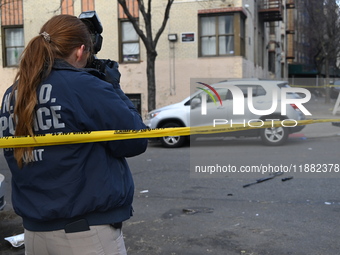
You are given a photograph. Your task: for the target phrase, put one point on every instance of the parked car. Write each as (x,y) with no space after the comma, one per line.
(219,105)
(2,192)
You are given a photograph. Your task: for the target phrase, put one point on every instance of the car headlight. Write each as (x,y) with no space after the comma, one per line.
(151,115)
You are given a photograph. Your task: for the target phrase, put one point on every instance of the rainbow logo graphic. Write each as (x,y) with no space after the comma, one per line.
(209,93)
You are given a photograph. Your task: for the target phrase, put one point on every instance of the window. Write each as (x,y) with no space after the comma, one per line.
(221,34)
(136,100)
(12,32)
(13,44)
(243,37)
(257,90)
(129,39)
(217,36)
(226,94)
(67,7)
(129,43)
(226,36)
(223,92)
(87,5)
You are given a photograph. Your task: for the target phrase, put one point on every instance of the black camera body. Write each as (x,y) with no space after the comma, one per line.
(100,64)
(104,69)
(91,20)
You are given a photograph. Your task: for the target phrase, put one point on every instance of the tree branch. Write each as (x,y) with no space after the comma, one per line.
(148,25)
(165,20)
(133,21)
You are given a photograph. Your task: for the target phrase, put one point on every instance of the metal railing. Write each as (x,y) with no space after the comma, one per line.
(270,4)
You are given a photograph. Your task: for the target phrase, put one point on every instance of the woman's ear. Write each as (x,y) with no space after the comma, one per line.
(80,52)
(81,56)
(78,58)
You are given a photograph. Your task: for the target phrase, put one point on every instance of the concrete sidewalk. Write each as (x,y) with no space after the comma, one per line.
(320,110)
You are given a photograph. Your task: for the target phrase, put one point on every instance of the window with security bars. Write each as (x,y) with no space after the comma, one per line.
(136,100)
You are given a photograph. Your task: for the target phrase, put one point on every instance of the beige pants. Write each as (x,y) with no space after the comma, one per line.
(100,240)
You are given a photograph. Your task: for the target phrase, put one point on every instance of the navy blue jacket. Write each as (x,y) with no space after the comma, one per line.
(75,181)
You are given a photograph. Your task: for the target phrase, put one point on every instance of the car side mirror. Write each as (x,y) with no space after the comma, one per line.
(195,102)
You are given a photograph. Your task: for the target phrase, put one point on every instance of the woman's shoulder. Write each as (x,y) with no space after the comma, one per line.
(78,81)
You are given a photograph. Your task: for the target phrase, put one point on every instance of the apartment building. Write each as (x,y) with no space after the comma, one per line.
(203,39)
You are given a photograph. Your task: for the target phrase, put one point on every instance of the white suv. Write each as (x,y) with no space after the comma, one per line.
(218,102)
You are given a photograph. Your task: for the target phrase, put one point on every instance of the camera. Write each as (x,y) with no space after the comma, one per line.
(91,20)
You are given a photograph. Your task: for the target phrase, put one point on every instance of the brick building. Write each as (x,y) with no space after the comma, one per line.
(203,39)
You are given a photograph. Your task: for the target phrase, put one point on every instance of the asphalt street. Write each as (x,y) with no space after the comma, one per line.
(178,214)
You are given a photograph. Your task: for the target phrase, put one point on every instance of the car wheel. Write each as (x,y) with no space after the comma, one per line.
(274,136)
(172,141)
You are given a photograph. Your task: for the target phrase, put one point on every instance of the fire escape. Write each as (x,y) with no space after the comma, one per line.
(271,10)
(290,30)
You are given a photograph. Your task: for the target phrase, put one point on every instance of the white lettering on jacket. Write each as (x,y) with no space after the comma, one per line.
(47,116)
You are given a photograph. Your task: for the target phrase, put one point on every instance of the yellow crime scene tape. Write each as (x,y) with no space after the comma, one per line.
(111,135)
